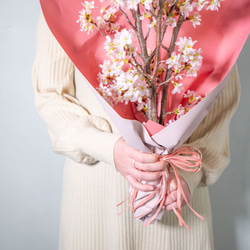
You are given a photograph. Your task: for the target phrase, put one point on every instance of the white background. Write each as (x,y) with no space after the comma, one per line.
(31,174)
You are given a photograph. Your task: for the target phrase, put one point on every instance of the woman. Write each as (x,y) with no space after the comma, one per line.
(100,166)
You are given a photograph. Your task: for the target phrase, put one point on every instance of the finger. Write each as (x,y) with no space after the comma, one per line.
(144,157)
(171,206)
(138,185)
(155,166)
(172,185)
(172,197)
(145,176)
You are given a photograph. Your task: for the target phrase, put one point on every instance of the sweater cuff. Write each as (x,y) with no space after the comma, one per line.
(98,144)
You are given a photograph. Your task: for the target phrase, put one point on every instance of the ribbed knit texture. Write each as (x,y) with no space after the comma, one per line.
(92,187)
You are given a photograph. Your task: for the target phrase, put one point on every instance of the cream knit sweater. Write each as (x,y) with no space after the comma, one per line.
(80,129)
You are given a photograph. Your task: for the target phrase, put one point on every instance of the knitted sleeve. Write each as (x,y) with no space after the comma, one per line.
(212,135)
(67,121)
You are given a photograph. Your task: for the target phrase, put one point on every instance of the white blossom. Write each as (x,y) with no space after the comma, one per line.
(146,3)
(192,96)
(186,8)
(172,22)
(174,61)
(185,45)
(215,4)
(124,37)
(180,111)
(171,2)
(200,4)
(102,24)
(196,19)
(178,87)
(115,27)
(152,23)
(141,106)
(88,6)
(128,4)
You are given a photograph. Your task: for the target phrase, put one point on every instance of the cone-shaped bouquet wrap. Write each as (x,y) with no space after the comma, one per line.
(220,36)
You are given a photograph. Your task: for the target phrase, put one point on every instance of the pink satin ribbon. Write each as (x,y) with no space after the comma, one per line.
(186,158)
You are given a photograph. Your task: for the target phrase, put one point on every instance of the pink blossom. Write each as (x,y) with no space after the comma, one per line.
(196,19)
(178,87)
(180,111)
(186,8)
(174,61)
(215,4)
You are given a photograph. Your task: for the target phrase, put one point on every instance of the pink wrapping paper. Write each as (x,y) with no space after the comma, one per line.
(221,36)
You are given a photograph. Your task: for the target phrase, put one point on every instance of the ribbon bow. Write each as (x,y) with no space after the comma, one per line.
(147,206)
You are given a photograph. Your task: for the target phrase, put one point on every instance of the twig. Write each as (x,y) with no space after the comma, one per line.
(167,81)
(127,18)
(139,32)
(146,38)
(152,13)
(98,29)
(165,25)
(164,47)
(185,107)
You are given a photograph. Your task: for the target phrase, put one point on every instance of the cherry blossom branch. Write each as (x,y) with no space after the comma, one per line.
(147,35)
(164,47)
(99,29)
(185,108)
(139,33)
(152,13)
(167,81)
(169,71)
(137,65)
(127,18)
(175,33)
(165,24)
(146,72)
(153,104)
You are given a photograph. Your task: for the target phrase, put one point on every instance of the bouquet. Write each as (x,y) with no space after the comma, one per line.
(143,61)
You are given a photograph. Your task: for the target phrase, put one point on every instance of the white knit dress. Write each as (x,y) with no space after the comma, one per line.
(80,129)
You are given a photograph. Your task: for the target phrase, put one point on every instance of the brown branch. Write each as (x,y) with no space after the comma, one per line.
(164,47)
(138,64)
(165,82)
(94,23)
(152,13)
(146,38)
(139,33)
(158,41)
(151,56)
(151,114)
(175,33)
(127,18)
(153,103)
(139,67)
(165,25)
(169,72)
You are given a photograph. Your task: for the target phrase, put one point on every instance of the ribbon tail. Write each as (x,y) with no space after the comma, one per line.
(145,200)
(180,194)
(133,195)
(164,190)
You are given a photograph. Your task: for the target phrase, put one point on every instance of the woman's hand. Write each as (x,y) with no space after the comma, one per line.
(172,196)
(136,166)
